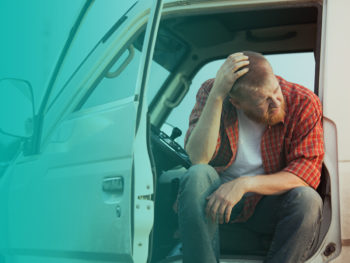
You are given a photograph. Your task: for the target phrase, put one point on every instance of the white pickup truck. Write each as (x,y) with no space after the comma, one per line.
(85,181)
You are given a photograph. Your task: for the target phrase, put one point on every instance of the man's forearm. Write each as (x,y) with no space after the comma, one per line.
(202,142)
(272,184)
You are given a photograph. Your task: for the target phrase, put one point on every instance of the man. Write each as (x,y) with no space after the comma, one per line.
(256,144)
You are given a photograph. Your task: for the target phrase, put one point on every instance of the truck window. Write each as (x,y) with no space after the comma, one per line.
(92,33)
(120,85)
(123,84)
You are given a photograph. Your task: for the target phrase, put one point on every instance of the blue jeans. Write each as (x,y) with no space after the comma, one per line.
(291,220)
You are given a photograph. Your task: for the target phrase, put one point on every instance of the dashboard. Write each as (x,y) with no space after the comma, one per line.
(167,153)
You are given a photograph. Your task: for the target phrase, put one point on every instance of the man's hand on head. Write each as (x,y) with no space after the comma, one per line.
(221,202)
(228,73)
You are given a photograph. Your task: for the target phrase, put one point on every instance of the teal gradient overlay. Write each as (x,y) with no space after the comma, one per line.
(52,205)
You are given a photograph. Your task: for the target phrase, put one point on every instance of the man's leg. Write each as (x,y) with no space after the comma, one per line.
(199,234)
(293,218)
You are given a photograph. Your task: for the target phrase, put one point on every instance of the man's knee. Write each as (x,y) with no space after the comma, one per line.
(199,176)
(305,203)
(199,181)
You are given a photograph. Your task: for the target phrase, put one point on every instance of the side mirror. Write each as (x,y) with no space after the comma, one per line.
(16,108)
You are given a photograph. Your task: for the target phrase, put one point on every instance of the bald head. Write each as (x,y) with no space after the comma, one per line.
(258,92)
(257,76)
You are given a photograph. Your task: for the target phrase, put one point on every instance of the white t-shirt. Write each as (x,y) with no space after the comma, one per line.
(248,160)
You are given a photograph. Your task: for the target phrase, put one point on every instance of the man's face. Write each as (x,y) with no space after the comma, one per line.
(266,105)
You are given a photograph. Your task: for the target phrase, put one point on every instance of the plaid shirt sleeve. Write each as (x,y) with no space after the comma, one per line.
(305,154)
(201,98)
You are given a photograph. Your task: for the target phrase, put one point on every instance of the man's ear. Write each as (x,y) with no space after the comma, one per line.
(235,102)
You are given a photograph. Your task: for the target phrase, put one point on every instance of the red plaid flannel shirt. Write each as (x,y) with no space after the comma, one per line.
(294,145)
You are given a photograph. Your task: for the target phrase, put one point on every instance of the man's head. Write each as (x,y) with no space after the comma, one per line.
(258,93)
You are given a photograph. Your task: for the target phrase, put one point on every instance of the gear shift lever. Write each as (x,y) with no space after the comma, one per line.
(175,133)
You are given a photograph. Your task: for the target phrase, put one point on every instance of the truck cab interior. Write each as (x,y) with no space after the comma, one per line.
(188,40)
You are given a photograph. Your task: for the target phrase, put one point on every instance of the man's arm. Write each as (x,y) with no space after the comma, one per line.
(272,184)
(202,141)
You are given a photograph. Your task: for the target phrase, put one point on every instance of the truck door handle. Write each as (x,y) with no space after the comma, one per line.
(113,185)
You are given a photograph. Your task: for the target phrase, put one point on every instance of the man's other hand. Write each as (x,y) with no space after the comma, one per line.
(221,202)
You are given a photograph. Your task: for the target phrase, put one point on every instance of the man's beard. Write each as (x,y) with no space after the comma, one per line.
(268,118)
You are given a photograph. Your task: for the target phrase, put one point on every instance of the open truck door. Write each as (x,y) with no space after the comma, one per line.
(80,190)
